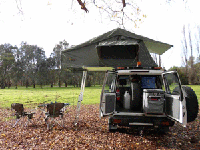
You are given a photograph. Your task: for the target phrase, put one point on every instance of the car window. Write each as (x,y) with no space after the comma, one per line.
(110,84)
(172,84)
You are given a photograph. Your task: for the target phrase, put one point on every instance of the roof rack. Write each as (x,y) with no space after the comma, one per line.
(127,68)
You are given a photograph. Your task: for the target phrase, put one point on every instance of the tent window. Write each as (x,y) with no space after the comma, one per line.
(118,51)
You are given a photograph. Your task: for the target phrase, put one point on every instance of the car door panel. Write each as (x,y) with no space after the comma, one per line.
(175,102)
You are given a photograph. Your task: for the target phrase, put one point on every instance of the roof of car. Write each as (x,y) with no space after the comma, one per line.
(139,72)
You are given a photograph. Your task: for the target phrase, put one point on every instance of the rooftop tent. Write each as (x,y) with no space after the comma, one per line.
(116,48)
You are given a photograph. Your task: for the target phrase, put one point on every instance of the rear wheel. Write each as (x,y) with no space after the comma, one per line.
(162,130)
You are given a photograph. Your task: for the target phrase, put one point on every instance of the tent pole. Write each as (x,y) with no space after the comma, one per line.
(159,61)
(80,97)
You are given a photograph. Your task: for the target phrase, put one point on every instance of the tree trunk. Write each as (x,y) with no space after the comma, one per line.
(65,83)
(74,83)
(9,84)
(2,84)
(41,85)
(26,83)
(192,71)
(88,83)
(59,83)
(33,85)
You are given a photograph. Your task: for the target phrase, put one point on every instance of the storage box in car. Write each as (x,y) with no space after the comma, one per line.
(153,101)
(108,102)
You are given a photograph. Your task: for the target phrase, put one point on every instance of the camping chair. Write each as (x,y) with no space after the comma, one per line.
(42,112)
(20,113)
(54,111)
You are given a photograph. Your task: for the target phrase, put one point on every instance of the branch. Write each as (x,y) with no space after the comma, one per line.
(19,8)
(82,5)
(124,3)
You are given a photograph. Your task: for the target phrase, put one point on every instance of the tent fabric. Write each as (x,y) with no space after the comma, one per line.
(107,43)
(152,45)
(88,54)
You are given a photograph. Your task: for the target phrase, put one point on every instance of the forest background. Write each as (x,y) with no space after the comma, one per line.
(28,65)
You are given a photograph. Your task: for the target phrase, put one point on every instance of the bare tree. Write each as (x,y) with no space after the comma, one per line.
(198,39)
(190,47)
(119,11)
(185,50)
(154,56)
(192,70)
(19,6)
(82,4)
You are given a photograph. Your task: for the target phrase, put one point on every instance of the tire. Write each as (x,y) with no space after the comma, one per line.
(191,103)
(162,130)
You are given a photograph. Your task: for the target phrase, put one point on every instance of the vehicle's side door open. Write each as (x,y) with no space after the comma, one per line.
(175,102)
(108,95)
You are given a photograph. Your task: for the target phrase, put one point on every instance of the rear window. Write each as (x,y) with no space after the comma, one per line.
(148,82)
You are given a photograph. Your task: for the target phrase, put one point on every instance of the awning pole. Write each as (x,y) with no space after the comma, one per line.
(80,97)
(159,61)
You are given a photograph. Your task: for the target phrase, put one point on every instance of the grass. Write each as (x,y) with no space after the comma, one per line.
(196,88)
(32,97)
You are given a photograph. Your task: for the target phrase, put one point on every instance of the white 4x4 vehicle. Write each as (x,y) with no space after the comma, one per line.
(133,96)
(146,97)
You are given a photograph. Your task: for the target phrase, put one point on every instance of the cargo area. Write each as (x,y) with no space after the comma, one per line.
(136,94)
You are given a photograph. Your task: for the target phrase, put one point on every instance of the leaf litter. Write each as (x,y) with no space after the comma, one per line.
(92,133)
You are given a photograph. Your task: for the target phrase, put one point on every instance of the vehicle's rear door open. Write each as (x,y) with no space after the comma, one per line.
(175,103)
(108,95)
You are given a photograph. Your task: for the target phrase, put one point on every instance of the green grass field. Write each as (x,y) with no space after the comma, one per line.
(32,97)
(196,88)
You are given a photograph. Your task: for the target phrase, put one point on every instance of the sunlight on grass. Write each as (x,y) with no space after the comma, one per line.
(32,97)
(196,88)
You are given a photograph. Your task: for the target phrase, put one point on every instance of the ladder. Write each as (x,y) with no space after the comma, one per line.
(80,98)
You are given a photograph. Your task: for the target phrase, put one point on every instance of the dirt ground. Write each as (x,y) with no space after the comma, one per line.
(92,133)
